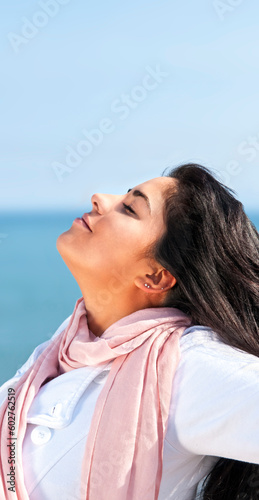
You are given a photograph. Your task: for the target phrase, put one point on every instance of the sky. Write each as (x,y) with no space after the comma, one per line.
(101,96)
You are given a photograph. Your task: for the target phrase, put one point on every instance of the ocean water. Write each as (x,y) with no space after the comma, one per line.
(37,291)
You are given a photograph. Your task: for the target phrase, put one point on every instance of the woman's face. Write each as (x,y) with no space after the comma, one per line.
(122,227)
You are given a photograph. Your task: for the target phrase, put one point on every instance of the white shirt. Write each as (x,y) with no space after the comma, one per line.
(214,413)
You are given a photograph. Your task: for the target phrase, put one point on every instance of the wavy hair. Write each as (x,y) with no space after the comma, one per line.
(211,248)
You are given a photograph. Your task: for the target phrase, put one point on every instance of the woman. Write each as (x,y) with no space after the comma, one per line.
(154,376)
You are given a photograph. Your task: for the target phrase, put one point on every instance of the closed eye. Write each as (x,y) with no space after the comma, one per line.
(128,208)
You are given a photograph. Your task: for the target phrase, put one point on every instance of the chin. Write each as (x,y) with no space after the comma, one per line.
(63,244)
(66,247)
(60,242)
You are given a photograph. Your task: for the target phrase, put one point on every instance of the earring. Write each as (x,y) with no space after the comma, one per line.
(148,286)
(162,288)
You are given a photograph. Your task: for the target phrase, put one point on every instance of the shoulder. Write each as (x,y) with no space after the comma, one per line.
(201,342)
(41,347)
(215,390)
(206,361)
(35,354)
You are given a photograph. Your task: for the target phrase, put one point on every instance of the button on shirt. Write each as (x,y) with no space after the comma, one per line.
(64,407)
(40,434)
(213,413)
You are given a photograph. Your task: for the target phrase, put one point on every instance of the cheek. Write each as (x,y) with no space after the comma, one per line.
(115,234)
(114,246)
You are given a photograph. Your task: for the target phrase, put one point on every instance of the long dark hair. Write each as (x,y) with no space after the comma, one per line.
(211,247)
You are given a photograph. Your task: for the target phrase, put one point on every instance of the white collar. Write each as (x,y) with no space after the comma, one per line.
(55,402)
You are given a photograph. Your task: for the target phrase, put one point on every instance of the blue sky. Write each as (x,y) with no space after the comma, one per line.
(162,83)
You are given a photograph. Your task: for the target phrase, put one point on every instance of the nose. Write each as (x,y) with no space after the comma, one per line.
(103,203)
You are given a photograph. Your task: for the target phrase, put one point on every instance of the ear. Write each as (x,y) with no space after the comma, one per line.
(160,281)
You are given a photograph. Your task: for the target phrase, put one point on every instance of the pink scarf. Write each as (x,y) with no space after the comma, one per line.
(124,449)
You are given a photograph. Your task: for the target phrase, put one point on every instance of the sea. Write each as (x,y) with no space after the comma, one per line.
(37,291)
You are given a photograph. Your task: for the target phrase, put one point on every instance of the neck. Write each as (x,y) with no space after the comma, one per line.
(104,310)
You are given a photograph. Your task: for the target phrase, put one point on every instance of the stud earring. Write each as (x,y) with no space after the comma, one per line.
(162,288)
(148,286)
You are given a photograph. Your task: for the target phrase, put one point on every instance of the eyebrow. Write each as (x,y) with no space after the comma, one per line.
(136,192)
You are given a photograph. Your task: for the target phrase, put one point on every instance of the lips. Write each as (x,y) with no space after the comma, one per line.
(85,219)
